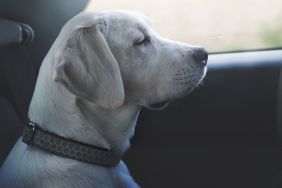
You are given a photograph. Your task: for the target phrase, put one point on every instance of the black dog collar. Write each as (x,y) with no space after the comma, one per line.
(35,136)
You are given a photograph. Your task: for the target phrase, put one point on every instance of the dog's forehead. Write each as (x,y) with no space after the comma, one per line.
(117,19)
(127,18)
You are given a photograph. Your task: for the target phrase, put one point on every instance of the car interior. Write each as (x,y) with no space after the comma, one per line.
(226,133)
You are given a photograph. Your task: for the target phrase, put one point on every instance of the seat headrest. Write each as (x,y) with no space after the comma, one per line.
(12,32)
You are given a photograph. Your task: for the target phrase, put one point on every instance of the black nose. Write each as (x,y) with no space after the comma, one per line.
(200,55)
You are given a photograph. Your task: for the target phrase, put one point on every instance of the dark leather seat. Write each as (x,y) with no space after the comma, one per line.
(19,63)
(10,129)
(16,87)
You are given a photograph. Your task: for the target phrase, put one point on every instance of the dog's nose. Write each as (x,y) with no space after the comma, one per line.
(200,55)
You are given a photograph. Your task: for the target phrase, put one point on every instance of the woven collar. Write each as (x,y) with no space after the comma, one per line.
(52,143)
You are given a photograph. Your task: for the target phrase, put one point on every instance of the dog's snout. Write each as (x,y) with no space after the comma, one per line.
(200,55)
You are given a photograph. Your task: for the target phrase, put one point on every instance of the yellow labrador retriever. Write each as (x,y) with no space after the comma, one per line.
(103,67)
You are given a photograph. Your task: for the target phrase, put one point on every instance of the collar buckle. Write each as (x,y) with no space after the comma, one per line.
(32,125)
(29,135)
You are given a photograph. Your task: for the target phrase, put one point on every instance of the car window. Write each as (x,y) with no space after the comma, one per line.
(219,25)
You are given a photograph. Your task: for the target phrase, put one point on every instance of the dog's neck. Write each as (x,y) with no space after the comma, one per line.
(54,108)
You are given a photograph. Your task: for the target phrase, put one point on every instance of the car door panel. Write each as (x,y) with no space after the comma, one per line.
(225,133)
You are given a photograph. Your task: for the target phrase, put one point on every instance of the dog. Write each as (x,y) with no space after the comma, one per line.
(101,70)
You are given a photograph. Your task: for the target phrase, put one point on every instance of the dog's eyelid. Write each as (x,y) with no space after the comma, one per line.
(142,40)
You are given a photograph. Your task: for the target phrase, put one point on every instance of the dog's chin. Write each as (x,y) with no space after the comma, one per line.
(192,87)
(159,105)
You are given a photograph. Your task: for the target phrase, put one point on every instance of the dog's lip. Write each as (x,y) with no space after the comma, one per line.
(159,105)
(194,85)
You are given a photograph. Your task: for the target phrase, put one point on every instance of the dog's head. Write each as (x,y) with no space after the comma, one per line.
(112,57)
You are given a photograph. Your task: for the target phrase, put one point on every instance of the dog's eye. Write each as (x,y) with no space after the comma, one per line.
(142,41)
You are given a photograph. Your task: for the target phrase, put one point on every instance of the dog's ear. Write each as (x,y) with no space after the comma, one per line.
(87,68)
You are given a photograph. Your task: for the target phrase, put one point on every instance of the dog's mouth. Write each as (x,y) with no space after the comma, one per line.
(159,105)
